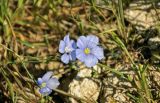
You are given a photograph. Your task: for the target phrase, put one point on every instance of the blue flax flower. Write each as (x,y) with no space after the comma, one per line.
(88,50)
(47,83)
(67,48)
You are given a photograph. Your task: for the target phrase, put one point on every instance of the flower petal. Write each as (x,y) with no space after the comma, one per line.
(45,91)
(62,46)
(65,58)
(82,42)
(66,39)
(80,55)
(73,55)
(90,60)
(53,83)
(73,43)
(93,39)
(47,76)
(91,44)
(98,52)
(40,81)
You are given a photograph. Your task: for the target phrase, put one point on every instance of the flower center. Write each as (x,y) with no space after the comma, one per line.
(86,50)
(67,49)
(43,85)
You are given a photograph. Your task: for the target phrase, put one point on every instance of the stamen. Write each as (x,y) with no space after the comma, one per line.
(43,85)
(67,49)
(87,51)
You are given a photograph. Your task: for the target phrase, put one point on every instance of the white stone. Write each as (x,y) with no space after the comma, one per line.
(120,97)
(115,80)
(84,88)
(84,73)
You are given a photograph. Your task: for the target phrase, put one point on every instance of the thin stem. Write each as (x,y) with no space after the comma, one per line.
(21,62)
(73,96)
(113,70)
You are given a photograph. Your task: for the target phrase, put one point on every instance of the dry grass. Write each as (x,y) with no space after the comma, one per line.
(30,31)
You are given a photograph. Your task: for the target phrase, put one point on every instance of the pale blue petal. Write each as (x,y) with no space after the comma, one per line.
(91,45)
(62,46)
(65,58)
(74,46)
(73,55)
(71,45)
(82,42)
(40,81)
(90,60)
(93,39)
(53,83)
(47,76)
(45,91)
(98,52)
(80,54)
(66,39)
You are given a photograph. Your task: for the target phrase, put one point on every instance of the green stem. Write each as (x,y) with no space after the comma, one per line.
(113,70)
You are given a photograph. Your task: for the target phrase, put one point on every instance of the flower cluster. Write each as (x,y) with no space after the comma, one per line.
(87,50)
